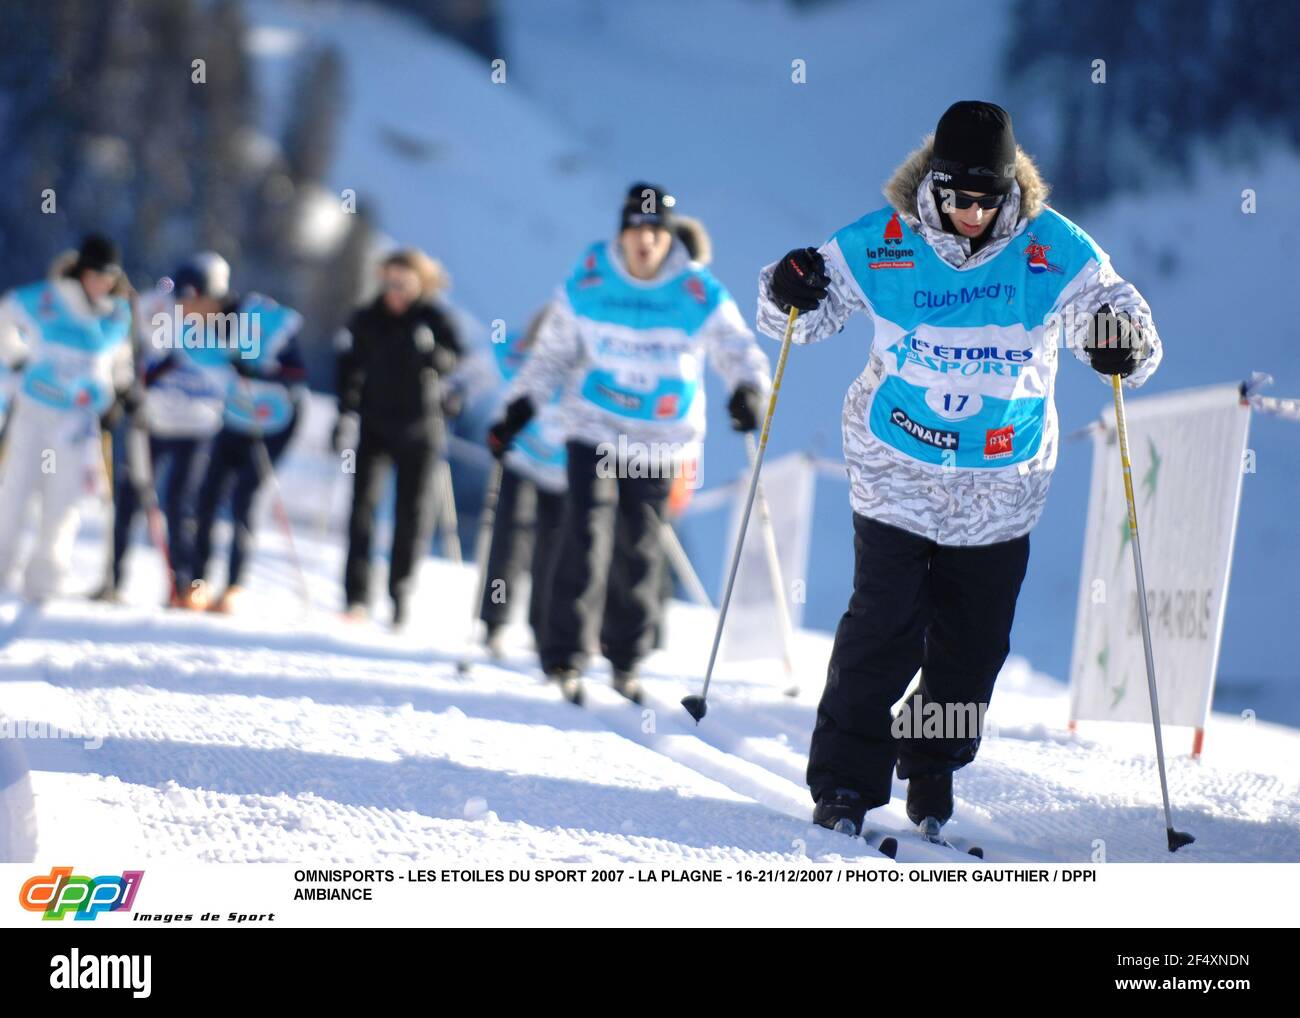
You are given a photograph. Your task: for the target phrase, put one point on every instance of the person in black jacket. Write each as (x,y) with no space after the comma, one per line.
(392,356)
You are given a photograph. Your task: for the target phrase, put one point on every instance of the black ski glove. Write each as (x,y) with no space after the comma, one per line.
(799,280)
(1113,342)
(502,434)
(746,409)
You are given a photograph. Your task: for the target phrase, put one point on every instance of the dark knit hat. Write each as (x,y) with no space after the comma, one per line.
(974,149)
(97,253)
(647,204)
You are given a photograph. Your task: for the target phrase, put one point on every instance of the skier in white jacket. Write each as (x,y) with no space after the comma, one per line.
(71,337)
(971,282)
(626,341)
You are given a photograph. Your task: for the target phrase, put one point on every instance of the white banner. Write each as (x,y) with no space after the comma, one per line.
(754,626)
(1187,452)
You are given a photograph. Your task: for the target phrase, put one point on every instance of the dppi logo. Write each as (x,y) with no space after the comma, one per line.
(60,892)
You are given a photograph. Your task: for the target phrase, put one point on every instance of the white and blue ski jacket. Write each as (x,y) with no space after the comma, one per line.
(629,354)
(537,452)
(75,357)
(950,432)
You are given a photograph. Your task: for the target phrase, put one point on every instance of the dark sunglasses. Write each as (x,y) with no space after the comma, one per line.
(965,201)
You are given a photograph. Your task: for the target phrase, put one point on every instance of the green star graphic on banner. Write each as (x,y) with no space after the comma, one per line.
(1150,477)
(1119,692)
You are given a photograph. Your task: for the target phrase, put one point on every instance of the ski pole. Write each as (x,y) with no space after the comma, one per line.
(1177,839)
(139,466)
(446,496)
(774,573)
(680,561)
(697,705)
(443,492)
(482,548)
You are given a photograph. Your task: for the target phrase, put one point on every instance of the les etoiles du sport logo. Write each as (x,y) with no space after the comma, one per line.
(61,892)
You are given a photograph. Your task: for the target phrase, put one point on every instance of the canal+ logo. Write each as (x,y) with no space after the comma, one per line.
(61,892)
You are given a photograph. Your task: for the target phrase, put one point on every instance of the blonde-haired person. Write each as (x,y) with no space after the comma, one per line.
(392,357)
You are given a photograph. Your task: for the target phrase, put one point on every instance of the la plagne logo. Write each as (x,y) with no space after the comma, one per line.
(891,254)
(61,892)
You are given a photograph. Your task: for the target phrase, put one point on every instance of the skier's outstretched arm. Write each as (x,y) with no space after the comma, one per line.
(1102,301)
(351,345)
(447,348)
(13,348)
(552,358)
(733,352)
(815,280)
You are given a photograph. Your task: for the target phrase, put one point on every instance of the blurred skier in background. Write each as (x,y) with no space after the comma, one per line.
(626,339)
(972,281)
(393,356)
(265,386)
(70,335)
(174,410)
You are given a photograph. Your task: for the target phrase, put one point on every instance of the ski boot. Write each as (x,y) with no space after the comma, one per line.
(627,684)
(108,594)
(196,598)
(570,682)
(494,642)
(228,602)
(841,810)
(929,798)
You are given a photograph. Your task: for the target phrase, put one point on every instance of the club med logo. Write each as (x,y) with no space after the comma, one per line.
(77,971)
(61,892)
(1037,255)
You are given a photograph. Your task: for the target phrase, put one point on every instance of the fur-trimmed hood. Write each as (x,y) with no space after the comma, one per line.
(691,232)
(900,189)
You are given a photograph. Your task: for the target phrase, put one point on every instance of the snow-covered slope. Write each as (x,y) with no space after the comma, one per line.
(289,735)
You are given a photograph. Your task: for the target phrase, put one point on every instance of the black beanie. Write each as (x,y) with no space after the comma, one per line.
(974,149)
(647,203)
(99,253)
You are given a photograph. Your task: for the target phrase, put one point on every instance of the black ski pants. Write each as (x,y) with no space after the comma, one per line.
(945,609)
(526,535)
(414,458)
(611,529)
